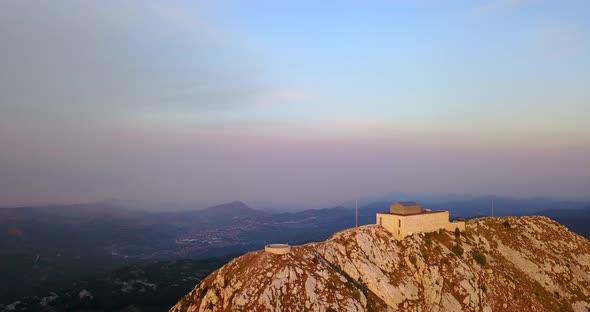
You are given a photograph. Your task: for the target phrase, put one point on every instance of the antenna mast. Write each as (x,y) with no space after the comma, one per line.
(357,212)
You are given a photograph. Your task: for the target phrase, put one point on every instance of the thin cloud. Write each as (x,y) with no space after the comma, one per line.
(498,6)
(563,41)
(91,58)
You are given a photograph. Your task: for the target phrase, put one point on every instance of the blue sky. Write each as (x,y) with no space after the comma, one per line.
(402,58)
(211,101)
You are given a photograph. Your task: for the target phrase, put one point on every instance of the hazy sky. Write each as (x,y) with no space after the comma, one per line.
(305,103)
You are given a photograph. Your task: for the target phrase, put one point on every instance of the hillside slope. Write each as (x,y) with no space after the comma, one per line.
(497,264)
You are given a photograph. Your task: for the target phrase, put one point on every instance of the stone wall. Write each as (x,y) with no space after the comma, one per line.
(402,226)
(279,249)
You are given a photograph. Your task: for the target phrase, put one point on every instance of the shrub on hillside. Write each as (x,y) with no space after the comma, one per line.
(356,294)
(428,238)
(480,258)
(506,224)
(458,250)
(202,292)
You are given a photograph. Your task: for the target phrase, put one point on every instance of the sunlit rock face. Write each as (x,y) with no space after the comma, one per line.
(496,264)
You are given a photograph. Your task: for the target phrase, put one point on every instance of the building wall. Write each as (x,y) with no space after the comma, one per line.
(402,226)
(391,223)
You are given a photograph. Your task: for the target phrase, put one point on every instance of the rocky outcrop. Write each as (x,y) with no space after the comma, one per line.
(496,264)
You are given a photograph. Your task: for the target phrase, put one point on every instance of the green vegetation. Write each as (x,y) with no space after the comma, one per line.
(458,250)
(202,292)
(428,238)
(479,258)
(356,294)
(147,287)
(506,224)
(413,259)
(349,285)
(457,232)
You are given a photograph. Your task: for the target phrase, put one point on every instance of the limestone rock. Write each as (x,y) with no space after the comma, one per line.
(533,265)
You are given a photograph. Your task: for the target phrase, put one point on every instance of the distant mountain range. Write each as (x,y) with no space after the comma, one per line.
(113,229)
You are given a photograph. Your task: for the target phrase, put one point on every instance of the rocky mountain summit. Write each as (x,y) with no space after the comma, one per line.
(496,264)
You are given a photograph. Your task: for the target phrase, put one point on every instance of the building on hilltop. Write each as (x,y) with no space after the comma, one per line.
(406,218)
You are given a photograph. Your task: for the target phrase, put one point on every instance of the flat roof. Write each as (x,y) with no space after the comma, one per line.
(412,214)
(406,203)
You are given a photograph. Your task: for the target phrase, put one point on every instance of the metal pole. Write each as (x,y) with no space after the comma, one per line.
(357,213)
(492,207)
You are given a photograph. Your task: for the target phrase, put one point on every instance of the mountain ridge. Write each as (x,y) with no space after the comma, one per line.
(497,264)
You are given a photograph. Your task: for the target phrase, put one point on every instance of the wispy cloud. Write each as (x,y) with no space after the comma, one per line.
(92,59)
(498,6)
(559,40)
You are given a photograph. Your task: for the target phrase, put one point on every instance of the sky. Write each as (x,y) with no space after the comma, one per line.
(301,103)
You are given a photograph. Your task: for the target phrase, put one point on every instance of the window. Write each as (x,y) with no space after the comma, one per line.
(399,223)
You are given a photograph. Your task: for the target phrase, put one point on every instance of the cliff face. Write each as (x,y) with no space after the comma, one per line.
(496,264)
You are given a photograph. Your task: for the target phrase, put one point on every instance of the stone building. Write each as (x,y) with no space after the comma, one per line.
(406,218)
